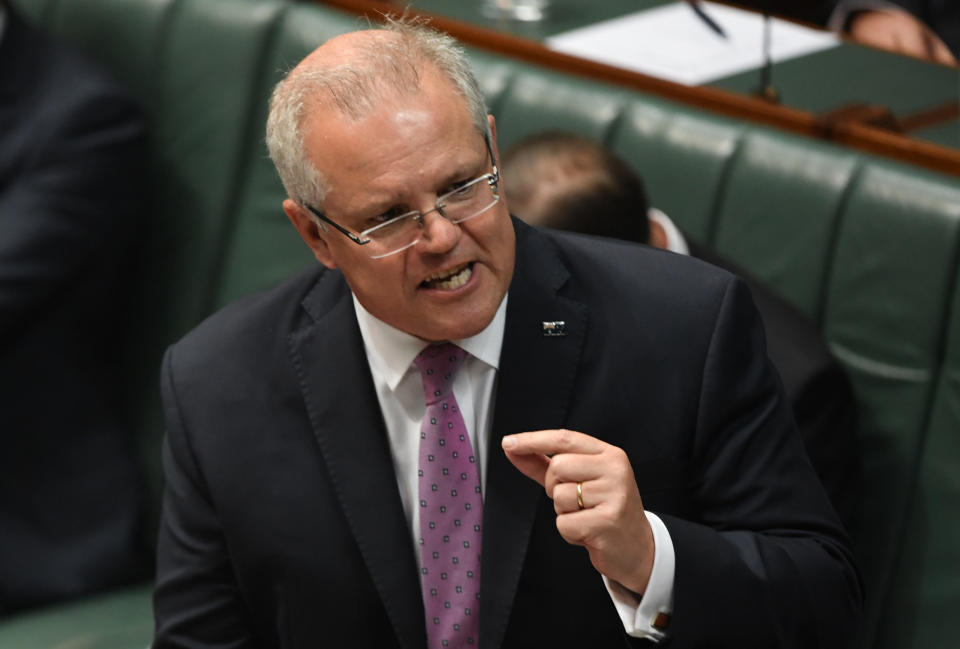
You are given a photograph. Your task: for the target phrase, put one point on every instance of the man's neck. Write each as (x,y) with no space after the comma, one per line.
(393,350)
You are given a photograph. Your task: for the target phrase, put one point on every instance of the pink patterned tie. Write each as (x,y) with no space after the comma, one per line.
(451,508)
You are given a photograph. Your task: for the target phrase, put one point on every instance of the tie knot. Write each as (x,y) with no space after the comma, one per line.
(438,365)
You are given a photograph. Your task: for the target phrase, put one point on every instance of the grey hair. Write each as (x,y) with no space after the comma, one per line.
(381,68)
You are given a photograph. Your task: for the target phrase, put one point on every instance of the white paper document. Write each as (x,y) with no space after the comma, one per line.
(672,42)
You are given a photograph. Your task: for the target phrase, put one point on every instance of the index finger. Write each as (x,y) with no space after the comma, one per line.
(552,442)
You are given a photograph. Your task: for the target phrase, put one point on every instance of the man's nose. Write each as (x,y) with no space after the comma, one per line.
(439,234)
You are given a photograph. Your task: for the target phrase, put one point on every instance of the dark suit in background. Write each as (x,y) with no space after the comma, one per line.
(811,11)
(283,525)
(70,145)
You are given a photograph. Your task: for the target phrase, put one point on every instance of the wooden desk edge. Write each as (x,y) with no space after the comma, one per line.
(850,134)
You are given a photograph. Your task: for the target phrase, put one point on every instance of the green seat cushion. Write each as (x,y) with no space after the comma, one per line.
(122,619)
(781,201)
(920,610)
(262,247)
(494,75)
(682,156)
(540,100)
(136,30)
(891,279)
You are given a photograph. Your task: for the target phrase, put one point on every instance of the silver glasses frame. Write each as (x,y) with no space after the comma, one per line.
(363,238)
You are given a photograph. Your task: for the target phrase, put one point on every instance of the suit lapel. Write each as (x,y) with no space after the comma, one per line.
(534,388)
(345,416)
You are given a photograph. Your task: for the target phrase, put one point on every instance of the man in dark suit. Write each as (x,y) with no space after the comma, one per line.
(311,428)
(70,148)
(560,180)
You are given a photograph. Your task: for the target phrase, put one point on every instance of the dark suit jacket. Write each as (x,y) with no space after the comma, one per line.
(811,11)
(816,385)
(282,521)
(70,144)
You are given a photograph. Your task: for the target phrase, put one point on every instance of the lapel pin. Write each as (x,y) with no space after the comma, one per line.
(554,328)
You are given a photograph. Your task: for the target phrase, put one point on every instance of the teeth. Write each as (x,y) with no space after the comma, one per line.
(451,279)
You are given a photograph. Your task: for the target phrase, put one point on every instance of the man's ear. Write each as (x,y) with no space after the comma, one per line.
(310,231)
(493,137)
(496,156)
(658,236)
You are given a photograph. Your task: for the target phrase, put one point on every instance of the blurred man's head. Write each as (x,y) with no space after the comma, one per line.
(568,182)
(379,124)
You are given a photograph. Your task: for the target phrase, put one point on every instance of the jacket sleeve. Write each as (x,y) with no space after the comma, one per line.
(761,559)
(826,417)
(197,602)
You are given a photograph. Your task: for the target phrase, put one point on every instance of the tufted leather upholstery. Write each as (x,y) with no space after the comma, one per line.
(868,248)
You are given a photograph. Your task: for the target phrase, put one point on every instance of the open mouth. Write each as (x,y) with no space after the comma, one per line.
(449,279)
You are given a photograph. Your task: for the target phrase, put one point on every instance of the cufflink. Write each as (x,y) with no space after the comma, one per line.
(661,622)
(554,328)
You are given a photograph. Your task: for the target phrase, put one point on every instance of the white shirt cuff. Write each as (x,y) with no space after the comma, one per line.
(638,614)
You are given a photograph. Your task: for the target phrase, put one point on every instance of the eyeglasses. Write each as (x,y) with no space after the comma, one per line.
(397,233)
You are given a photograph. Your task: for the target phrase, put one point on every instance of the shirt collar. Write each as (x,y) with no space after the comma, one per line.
(675,239)
(391,351)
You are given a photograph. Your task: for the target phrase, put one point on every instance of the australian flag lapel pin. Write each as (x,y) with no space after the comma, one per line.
(554,328)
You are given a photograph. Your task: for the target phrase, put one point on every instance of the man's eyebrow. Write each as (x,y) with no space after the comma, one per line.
(464,171)
(375,206)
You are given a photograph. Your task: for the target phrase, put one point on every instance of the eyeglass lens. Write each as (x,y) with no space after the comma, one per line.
(457,206)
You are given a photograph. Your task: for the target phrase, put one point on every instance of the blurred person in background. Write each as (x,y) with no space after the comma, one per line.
(927,29)
(70,179)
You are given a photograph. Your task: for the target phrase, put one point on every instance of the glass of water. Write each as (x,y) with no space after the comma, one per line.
(522,10)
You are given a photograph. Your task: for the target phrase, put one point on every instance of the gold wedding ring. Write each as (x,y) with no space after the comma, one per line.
(580,495)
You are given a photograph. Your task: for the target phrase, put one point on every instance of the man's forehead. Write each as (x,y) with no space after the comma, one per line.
(377,149)
(357,72)
(432,100)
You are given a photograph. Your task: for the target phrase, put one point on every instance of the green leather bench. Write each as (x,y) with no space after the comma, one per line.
(866,247)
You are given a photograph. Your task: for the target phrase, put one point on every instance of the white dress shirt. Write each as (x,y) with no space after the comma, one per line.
(390,353)
(675,239)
